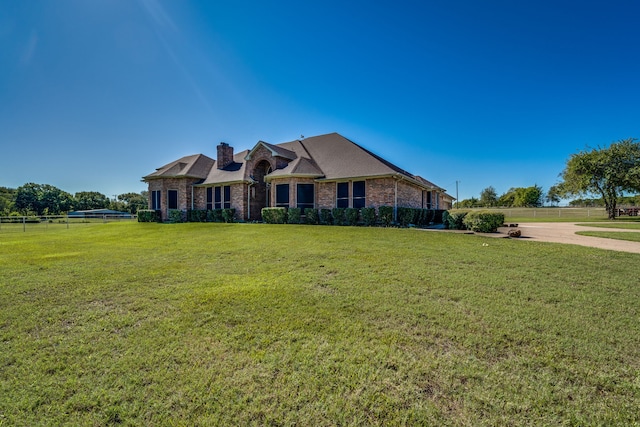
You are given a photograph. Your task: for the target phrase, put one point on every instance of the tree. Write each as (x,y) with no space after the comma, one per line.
(85,200)
(554,195)
(42,199)
(607,172)
(506,200)
(529,197)
(488,197)
(132,202)
(7,200)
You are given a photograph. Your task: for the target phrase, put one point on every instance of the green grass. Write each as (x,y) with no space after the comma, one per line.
(232,324)
(618,235)
(622,225)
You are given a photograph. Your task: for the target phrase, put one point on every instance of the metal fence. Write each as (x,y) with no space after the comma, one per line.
(55,222)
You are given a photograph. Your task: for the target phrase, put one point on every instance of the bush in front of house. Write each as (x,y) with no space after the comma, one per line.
(455,220)
(369,216)
(148,215)
(408,216)
(228,214)
(339,217)
(214,215)
(385,213)
(175,216)
(197,215)
(294,215)
(483,221)
(274,215)
(311,216)
(325,217)
(352,215)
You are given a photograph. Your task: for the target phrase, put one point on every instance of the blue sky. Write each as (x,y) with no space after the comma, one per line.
(96,94)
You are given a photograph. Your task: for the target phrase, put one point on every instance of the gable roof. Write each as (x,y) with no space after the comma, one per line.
(329,157)
(195,166)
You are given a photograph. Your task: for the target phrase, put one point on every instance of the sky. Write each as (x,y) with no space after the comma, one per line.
(96,94)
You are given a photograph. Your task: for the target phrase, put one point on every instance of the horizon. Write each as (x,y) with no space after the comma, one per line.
(96,95)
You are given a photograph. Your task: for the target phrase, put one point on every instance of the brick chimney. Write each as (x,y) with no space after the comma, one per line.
(225,155)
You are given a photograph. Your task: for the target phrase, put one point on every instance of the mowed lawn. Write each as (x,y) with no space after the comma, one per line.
(246,324)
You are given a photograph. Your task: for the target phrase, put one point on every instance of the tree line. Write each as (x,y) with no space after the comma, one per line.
(604,176)
(45,199)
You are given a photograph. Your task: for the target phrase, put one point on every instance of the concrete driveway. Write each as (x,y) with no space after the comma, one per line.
(565,232)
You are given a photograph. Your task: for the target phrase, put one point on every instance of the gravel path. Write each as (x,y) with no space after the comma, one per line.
(563,232)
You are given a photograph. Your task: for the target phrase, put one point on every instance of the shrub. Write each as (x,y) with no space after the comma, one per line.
(369,216)
(294,215)
(325,217)
(311,216)
(274,215)
(175,216)
(148,215)
(455,220)
(385,213)
(445,219)
(438,216)
(197,215)
(214,215)
(339,217)
(407,216)
(352,215)
(483,221)
(228,214)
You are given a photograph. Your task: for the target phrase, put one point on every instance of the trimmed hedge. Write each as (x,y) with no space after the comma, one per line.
(339,216)
(274,215)
(311,216)
(385,213)
(368,216)
(228,215)
(148,215)
(197,215)
(325,217)
(294,215)
(483,221)
(455,220)
(176,215)
(352,216)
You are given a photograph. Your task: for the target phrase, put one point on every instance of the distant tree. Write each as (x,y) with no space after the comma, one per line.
(132,202)
(85,200)
(554,195)
(608,172)
(469,203)
(528,197)
(7,200)
(488,197)
(42,199)
(507,199)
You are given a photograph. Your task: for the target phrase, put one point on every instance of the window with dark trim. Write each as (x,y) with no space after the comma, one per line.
(209,198)
(306,196)
(227,196)
(172,199)
(428,199)
(218,198)
(282,195)
(359,194)
(342,198)
(155,200)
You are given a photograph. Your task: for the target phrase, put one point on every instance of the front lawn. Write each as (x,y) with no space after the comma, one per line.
(241,324)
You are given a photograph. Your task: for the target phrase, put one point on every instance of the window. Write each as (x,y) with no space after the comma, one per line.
(306,196)
(282,195)
(209,198)
(155,200)
(222,197)
(342,199)
(428,199)
(227,196)
(359,194)
(172,199)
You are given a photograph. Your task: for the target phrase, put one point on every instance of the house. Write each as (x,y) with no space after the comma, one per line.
(325,171)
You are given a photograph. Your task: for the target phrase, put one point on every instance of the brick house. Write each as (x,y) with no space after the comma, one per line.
(325,171)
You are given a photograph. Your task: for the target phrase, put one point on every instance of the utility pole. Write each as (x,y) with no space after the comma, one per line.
(457,199)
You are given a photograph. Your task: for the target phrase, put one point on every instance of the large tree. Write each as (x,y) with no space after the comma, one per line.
(607,172)
(42,199)
(7,200)
(488,197)
(86,200)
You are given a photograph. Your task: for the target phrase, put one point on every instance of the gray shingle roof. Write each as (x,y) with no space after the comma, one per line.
(195,166)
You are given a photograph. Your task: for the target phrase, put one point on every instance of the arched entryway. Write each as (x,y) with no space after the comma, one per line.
(258,193)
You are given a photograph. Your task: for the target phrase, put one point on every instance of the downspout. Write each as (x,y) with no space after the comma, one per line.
(249,200)
(191,196)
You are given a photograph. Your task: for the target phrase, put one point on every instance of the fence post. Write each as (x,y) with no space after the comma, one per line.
(24,224)
(67,221)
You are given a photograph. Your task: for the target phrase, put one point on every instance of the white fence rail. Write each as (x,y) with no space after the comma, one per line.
(46,222)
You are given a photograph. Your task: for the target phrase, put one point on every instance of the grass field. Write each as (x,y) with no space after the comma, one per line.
(239,324)
(621,235)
